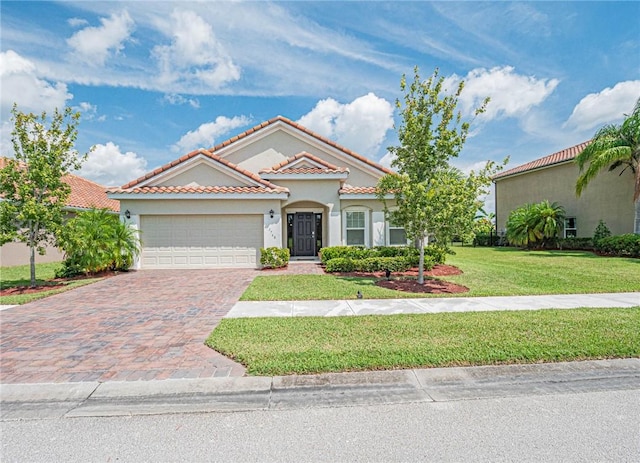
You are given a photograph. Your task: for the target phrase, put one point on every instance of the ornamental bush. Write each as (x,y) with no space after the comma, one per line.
(348,252)
(620,246)
(601,231)
(274,257)
(376,264)
(582,244)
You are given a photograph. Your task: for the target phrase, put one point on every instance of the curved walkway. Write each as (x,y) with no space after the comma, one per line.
(141,325)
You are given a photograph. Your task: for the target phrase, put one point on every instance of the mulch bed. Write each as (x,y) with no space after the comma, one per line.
(407,281)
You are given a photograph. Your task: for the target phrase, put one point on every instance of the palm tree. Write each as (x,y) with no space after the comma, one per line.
(614,146)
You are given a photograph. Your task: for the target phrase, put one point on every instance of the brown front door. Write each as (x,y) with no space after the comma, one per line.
(304,226)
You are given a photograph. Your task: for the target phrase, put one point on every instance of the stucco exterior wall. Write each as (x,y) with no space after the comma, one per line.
(204,206)
(202,174)
(12,254)
(608,197)
(260,154)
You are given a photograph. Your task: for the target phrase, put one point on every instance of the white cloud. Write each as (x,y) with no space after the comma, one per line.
(176,99)
(107,165)
(77,22)
(93,45)
(194,55)
(22,85)
(512,94)
(205,135)
(361,125)
(608,106)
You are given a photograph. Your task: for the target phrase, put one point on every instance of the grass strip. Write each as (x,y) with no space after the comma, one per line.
(307,345)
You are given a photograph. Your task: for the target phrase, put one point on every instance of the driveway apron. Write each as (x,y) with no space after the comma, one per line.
(143,325)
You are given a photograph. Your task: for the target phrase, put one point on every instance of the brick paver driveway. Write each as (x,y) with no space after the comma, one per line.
(143,325)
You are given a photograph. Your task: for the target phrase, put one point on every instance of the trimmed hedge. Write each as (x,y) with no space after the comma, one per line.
(437,254)
(274,257)
(376,264)
(620,246)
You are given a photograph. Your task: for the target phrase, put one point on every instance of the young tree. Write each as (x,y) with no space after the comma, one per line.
(614,146)
(32,187)
(430,196)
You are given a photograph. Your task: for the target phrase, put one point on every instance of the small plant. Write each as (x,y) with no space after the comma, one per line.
(601,231)
(274,257)
(535,225)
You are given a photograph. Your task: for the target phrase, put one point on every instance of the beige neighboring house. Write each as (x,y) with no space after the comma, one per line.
(277,184)
(85,194)
(608,197)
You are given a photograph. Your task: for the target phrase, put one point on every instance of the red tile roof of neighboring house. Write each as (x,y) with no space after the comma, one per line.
(556,158)
(327,168)
(210,152)
(85,194)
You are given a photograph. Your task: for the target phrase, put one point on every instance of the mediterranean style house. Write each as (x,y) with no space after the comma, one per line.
(84,195)
(275,185)
(609,197)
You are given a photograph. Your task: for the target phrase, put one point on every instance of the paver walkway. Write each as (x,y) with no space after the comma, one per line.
(143,325)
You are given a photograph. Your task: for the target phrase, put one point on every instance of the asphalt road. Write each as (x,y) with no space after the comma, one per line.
(576,426)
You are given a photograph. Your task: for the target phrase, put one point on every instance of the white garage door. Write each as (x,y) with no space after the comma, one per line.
(200,241)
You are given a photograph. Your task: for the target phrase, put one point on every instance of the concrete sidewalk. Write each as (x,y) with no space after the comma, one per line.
(332,308)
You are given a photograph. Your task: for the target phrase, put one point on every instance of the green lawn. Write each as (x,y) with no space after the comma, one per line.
(306,345)
(11,277)
(486,272)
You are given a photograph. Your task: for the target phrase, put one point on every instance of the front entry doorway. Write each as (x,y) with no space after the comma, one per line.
(304,233)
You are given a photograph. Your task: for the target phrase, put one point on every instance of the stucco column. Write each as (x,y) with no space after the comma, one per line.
(134,222)
(272,230)
(334,223)
(378,228)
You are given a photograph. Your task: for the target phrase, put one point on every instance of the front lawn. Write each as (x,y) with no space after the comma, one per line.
(19,276)
(306,345)
(486,272)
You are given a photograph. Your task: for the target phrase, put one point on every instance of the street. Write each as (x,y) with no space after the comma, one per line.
(576,426)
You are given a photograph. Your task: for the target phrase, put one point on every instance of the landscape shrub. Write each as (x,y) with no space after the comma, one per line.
(340,264)
(347,252)
(483,239)
(582,244)
(437,253)
(601,231)
(395,251)
(95,241)
(274,257)
(620,245)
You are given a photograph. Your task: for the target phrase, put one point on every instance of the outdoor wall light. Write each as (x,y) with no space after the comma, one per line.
(271,212)
(127,214)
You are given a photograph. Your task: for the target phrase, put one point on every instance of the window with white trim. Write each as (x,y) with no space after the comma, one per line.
(396,236)
(355,228)
(570,227)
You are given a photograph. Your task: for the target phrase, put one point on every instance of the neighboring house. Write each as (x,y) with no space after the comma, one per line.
(85,194)
(277,184)
(608,197)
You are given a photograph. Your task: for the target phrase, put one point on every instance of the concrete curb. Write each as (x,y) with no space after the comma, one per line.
(42,401)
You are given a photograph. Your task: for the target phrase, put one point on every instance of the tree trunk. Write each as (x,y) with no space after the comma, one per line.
(636,226)
(32,262)
(421,261)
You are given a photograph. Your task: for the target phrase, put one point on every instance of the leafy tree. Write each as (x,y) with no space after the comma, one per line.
(614,146)
(32,184)
(535,224)
(95,241)
(431,133)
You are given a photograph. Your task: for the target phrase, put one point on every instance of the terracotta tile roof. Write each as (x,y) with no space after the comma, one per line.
(85,194)
(363,190)
(199,189)
(320,166)
(556,158)
(210,152)
(264,185)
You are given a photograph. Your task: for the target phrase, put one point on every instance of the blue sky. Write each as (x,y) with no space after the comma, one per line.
(154,80)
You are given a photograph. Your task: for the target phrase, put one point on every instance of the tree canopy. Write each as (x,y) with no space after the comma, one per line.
(32,186)
(431,197)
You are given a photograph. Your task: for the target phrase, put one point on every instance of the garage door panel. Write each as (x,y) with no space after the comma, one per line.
(193,241)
